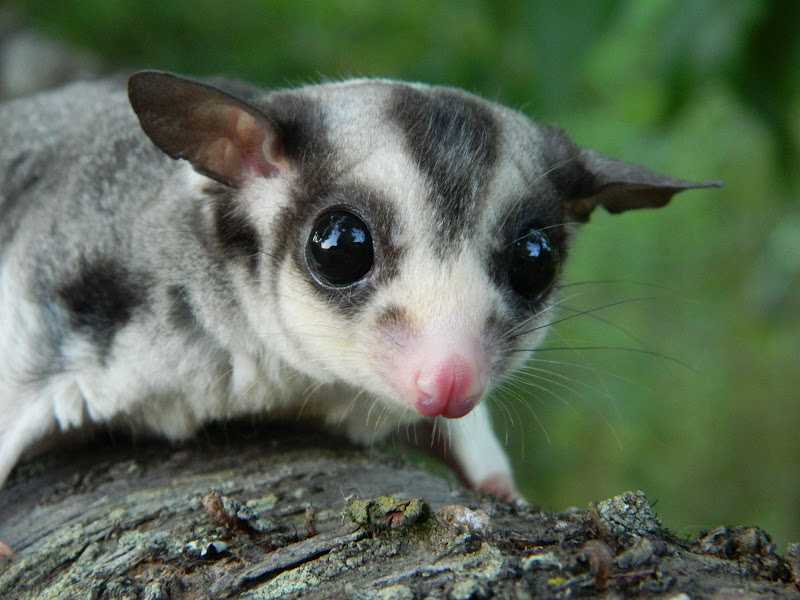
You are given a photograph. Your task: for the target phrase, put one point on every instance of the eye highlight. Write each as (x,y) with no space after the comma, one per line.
(534,264)
(339,249)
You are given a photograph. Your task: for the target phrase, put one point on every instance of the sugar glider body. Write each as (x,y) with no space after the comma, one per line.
(368,253)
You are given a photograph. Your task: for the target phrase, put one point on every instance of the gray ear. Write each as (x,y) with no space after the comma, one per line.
(221,136)
(588,179)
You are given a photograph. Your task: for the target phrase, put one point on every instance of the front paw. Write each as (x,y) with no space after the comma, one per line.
(500,486)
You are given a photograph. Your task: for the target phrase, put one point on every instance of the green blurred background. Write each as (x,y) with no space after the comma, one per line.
(688,388)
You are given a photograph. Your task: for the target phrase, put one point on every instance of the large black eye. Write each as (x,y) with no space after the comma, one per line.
(534,264)
(339,249)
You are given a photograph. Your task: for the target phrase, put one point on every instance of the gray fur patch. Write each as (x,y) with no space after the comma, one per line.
(181,315)
(23,174)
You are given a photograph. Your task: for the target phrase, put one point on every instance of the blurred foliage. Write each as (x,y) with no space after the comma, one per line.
(690,390)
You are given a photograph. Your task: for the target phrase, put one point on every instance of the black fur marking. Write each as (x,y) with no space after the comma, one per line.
(538,212)
(378,215)
(238,237)
(101,300)
(305,141)
(302,131)
(454,141)
(564,168)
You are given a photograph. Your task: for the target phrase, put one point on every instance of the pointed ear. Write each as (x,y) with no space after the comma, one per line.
(619,186)
(221,136)
(588,179)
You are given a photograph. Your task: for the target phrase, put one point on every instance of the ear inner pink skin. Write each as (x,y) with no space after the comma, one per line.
(242,147)
(245,154)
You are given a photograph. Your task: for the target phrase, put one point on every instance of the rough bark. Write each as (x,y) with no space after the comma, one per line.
(289,512)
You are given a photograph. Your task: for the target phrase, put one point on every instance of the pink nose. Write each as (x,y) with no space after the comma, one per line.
(450,389)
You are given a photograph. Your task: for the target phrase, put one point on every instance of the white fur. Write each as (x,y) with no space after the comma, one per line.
(478,450)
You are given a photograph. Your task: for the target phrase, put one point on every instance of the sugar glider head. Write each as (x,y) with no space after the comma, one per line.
(402,238)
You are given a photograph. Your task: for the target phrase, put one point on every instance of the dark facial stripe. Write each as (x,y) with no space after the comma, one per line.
(453,139)
(566,173)
(305,140)
(541,210)
(101,300)
(378,215)
(238,237)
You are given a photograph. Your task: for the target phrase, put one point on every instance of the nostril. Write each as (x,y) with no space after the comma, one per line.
(456,408)
(428,405)
(433,391)
(450,389)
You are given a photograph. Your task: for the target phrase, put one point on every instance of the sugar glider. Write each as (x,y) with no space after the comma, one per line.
(367,253)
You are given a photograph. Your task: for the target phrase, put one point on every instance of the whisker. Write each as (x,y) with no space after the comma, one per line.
(646,284)
(350,406)
(614,348)
(576,365)
(435,433)
(307,397)
(507,411)
(525,385)
(589,311)
(519,383)
(542,375)
(510,332)
(610,323)
(517,395)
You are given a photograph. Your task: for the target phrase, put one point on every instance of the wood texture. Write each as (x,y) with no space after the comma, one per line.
(287,513)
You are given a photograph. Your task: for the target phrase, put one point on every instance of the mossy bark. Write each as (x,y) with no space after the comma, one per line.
(289,513)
